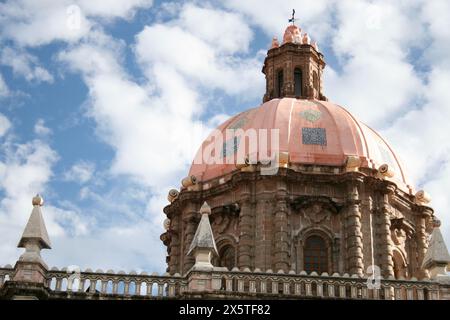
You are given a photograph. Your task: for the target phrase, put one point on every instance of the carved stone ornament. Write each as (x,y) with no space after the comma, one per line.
(316,213)
(221,222)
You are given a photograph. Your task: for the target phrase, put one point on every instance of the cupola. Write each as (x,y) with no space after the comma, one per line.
(294,68)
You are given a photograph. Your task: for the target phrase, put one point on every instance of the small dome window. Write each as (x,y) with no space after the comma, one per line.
(298,82)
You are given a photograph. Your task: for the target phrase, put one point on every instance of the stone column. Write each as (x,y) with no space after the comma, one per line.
(281,244)
(386,245)
(289,78)
(263,235)
(422,245)
(353,231)
(246,239)
(336,254)
(190,225)
(174,262)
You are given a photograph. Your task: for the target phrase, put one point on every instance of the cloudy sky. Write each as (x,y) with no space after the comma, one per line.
(103,104)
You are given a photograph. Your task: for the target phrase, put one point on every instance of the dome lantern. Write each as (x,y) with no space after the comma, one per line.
(294,68)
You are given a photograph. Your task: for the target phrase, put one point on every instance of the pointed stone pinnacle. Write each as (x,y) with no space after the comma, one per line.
(203,238)
(437,252)
(205,209)
(35,230)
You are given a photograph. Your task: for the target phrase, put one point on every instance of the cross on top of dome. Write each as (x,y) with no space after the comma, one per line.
(293,34)
(293,17)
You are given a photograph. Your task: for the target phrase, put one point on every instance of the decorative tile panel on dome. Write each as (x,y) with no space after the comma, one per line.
(309,103)
(311,115)
(315,136)
(230,147)
(239,123)
(241,120)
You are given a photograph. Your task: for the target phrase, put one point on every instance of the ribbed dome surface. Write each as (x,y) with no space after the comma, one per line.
(312,132)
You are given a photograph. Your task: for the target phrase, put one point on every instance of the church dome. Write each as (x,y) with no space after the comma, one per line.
(311,132)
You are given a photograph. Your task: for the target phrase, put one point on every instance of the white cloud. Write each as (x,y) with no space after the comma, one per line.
(34,23)
(80,172)
(131,115)
(436,20)
(313,16)
(200,61)
(4,91)
(40,129)
(150,134)
(76,236)
(421,137)
(24,64)
(25,170)
(4,125)
(380,58)
(225,31)
(130,247)
(113,8)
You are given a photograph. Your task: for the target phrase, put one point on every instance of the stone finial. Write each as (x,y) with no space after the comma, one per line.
(37,200)
(30,267)
(35,231)
(437,257)
(173,195)
(275,43)
(189,181)
(385,171)
(315,45)
(306,39)
(203,245)
(166,224)
(422,197)
(205,209)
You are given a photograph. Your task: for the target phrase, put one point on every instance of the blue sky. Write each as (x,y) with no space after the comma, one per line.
(104,118)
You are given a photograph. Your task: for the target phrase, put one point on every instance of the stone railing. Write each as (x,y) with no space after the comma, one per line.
(260,284)
(227,284)
(116,284)
(6,274)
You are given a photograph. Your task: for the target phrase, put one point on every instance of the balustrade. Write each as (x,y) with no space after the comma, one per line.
(235,282)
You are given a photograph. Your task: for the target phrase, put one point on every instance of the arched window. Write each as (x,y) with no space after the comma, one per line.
(227,257)
(280,76)
(315,254)
(297,82)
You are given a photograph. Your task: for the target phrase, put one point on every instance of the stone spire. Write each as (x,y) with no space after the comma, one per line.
(437,257)
(35,236)
(203,245)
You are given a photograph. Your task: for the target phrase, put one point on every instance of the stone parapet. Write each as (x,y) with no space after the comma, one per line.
(221,283)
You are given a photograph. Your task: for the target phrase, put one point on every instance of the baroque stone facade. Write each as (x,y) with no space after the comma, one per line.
(264,221)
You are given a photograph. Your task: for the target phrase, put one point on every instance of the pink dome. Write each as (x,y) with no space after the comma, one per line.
(312,132)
